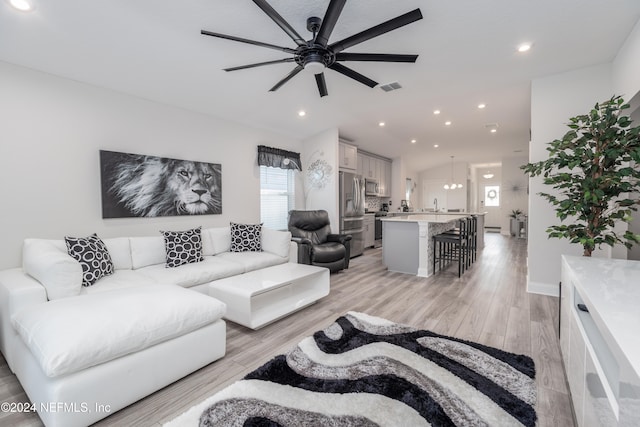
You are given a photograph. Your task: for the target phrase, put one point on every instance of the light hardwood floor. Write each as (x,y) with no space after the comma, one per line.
(488,304)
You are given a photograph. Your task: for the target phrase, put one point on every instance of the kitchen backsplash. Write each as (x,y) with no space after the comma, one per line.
(372,203)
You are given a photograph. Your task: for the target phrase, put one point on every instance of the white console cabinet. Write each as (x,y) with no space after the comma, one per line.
(600,340)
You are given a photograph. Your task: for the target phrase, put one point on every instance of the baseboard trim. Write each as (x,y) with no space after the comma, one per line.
(543,288)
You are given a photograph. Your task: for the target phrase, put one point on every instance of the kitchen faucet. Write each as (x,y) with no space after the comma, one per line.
(435,202)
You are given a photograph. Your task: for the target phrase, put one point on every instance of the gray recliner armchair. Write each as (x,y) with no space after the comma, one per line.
(316,244)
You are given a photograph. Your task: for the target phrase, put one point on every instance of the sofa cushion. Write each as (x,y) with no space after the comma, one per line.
(277,242)
(48,262)
(92,255)
(120,279)
(147,251)
(120,251)
(246,237)
(72,334)
(216,240)
(182,247)
(212,268)
(253,260)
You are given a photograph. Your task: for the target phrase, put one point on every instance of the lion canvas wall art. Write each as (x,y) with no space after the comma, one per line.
(136,185)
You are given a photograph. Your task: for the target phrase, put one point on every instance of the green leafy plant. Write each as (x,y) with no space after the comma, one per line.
(515,213)
(592,169)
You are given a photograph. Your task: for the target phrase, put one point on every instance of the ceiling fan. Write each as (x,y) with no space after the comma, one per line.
(317,54)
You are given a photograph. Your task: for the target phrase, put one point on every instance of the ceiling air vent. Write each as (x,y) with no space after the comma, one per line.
(390,86)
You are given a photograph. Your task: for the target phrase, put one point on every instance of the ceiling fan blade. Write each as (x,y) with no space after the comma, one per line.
(275,16)
(377,57)
(322,85)
(353,74)
(260,64)
(287,78)
(329,21)
(253,42)
(378,30)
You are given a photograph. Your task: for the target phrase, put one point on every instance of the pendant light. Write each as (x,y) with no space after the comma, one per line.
(452,185)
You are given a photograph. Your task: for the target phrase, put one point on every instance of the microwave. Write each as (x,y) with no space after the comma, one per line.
(370,187)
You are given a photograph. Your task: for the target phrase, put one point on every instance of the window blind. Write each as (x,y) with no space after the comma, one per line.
(277,196)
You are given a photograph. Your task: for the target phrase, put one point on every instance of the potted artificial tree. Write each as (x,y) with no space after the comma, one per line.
(595,169)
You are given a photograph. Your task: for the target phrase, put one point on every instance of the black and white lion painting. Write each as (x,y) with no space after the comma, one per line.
(150,186)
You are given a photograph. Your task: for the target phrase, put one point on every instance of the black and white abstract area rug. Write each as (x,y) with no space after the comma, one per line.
(367,371)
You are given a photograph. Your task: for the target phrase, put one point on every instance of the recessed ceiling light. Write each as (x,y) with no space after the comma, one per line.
(447,123)
(302,113)
(436,112)
(481,106)
(413,141)
(435,146)
(494,130)
(381,124)
(524,47)
(21,5)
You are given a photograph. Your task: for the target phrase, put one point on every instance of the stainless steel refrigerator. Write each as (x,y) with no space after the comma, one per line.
(352,210)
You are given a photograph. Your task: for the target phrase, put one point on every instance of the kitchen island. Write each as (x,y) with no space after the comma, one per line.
(408,240)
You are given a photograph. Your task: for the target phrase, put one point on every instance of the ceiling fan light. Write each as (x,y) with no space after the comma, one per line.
(314,67)
(313,63)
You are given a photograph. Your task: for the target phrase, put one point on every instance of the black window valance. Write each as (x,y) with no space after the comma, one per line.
(277,158)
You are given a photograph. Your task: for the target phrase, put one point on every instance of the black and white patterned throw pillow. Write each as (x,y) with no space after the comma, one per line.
(183,247)
(93,256)
(246,237)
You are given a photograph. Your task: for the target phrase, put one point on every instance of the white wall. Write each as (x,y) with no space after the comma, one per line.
(514,190)
(626,66)
(324,146)
(454,199)
(553,101)
(52,129)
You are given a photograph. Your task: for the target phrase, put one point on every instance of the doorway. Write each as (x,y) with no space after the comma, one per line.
(490,203)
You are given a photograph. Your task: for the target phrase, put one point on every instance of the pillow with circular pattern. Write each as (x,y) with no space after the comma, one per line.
(183,247)
(93,256)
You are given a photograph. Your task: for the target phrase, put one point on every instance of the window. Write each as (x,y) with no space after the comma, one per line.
(492,195)
(277,196)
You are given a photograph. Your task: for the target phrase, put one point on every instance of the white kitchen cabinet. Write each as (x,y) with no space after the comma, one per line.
(360,168)
(371,167)
(385,179)
(600,348)
(348,156)
(369,230)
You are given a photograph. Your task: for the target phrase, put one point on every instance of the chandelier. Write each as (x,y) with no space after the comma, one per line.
(452,185)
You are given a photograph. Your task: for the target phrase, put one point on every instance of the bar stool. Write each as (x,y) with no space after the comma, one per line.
(470,232)
(453,246)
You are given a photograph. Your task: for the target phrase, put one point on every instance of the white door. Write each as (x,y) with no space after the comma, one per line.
(490,203)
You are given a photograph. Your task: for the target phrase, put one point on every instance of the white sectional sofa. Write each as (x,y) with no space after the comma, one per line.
(82,353)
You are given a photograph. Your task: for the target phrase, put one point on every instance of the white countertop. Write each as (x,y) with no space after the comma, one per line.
(434,213)
(426,217)
(610,289)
